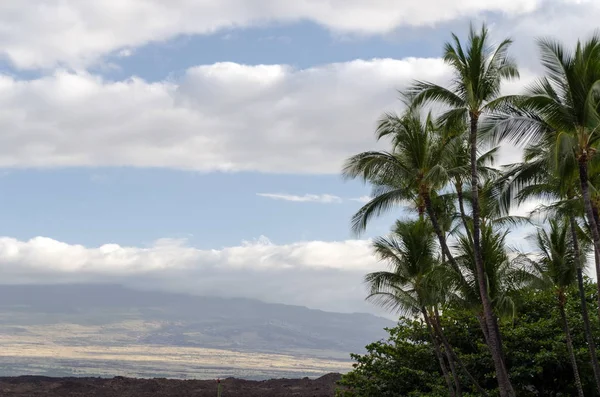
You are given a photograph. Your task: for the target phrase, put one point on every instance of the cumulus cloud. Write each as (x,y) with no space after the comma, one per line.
(566,21)
(317,274)
(41,33)
(220,117)
(224,116)
(307,198)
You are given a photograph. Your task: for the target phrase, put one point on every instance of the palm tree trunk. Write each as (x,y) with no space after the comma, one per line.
(438,353)
(596,255)
(452,353)
(483,326)
(463,213)
(495,343)
(561,305)
(596,215)
(500,347)
(438,230)
(589,211)
(584,311)
(446,254)
(435,321)
(597,261)
(440,234)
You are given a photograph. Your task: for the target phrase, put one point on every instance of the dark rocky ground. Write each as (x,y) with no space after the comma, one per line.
(33,386)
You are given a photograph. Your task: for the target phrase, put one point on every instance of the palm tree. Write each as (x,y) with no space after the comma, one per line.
(493,210)
(457,164)
(413,171)
(505,279)
(414,286)
(556,268)
(562,109)
(546,174)
(580,262)
(425,160)
(479,69)
(410,253)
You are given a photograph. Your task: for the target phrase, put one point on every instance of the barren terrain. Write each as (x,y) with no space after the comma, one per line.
(76,350)
(128,387)
(104,330)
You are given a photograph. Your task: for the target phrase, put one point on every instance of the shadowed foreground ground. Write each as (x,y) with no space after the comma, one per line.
(129,387)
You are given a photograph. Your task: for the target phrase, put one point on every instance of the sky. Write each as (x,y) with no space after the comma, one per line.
(196,145)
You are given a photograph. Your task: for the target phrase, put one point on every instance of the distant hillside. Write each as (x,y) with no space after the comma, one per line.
(183,320)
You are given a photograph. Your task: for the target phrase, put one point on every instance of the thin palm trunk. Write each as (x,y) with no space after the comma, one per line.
(483,327)
(463,213)
(561,305)
(438,353)
(494,341)
(440,234)
(453,356)
(500,347)
(596,255)
(597,262)
(435,321)
(438,230)
(589,211)
(447,348)
(584,311)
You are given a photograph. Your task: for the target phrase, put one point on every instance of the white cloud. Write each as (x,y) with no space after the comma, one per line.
(307,198)
(220,117)
(323,275)
(362,199)
(565,21)
(225,116)
(42,33)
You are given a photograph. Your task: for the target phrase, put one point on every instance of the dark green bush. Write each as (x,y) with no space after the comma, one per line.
(534,346)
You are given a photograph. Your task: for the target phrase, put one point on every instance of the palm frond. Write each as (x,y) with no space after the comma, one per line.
(380,204)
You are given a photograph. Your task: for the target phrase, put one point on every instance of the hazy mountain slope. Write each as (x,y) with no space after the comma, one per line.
(184,320)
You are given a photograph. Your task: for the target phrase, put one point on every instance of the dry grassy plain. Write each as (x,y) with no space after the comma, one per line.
(109,350)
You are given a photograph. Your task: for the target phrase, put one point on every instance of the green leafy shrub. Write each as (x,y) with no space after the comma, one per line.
(534,348)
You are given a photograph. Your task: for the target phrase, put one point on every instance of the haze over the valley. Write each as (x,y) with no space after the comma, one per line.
(99,330)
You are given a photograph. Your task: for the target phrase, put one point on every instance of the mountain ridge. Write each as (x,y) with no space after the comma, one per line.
(190,320)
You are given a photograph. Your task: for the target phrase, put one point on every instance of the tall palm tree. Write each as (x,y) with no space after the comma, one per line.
(492,210)
(457,163)
(479,70)
(410,252)
(505,279)
(412,171)
(416,285)
(425,159)
(556,268)
(548,174)
(563,109)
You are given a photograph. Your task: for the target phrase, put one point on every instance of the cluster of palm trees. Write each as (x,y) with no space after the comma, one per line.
(453,249)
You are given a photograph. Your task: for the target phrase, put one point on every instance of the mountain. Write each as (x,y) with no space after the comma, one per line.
(112,316)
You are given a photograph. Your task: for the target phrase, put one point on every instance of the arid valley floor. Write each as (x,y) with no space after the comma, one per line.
(127,387)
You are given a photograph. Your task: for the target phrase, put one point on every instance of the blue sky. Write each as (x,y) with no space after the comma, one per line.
(154,143)
(301,45)
(132,206)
